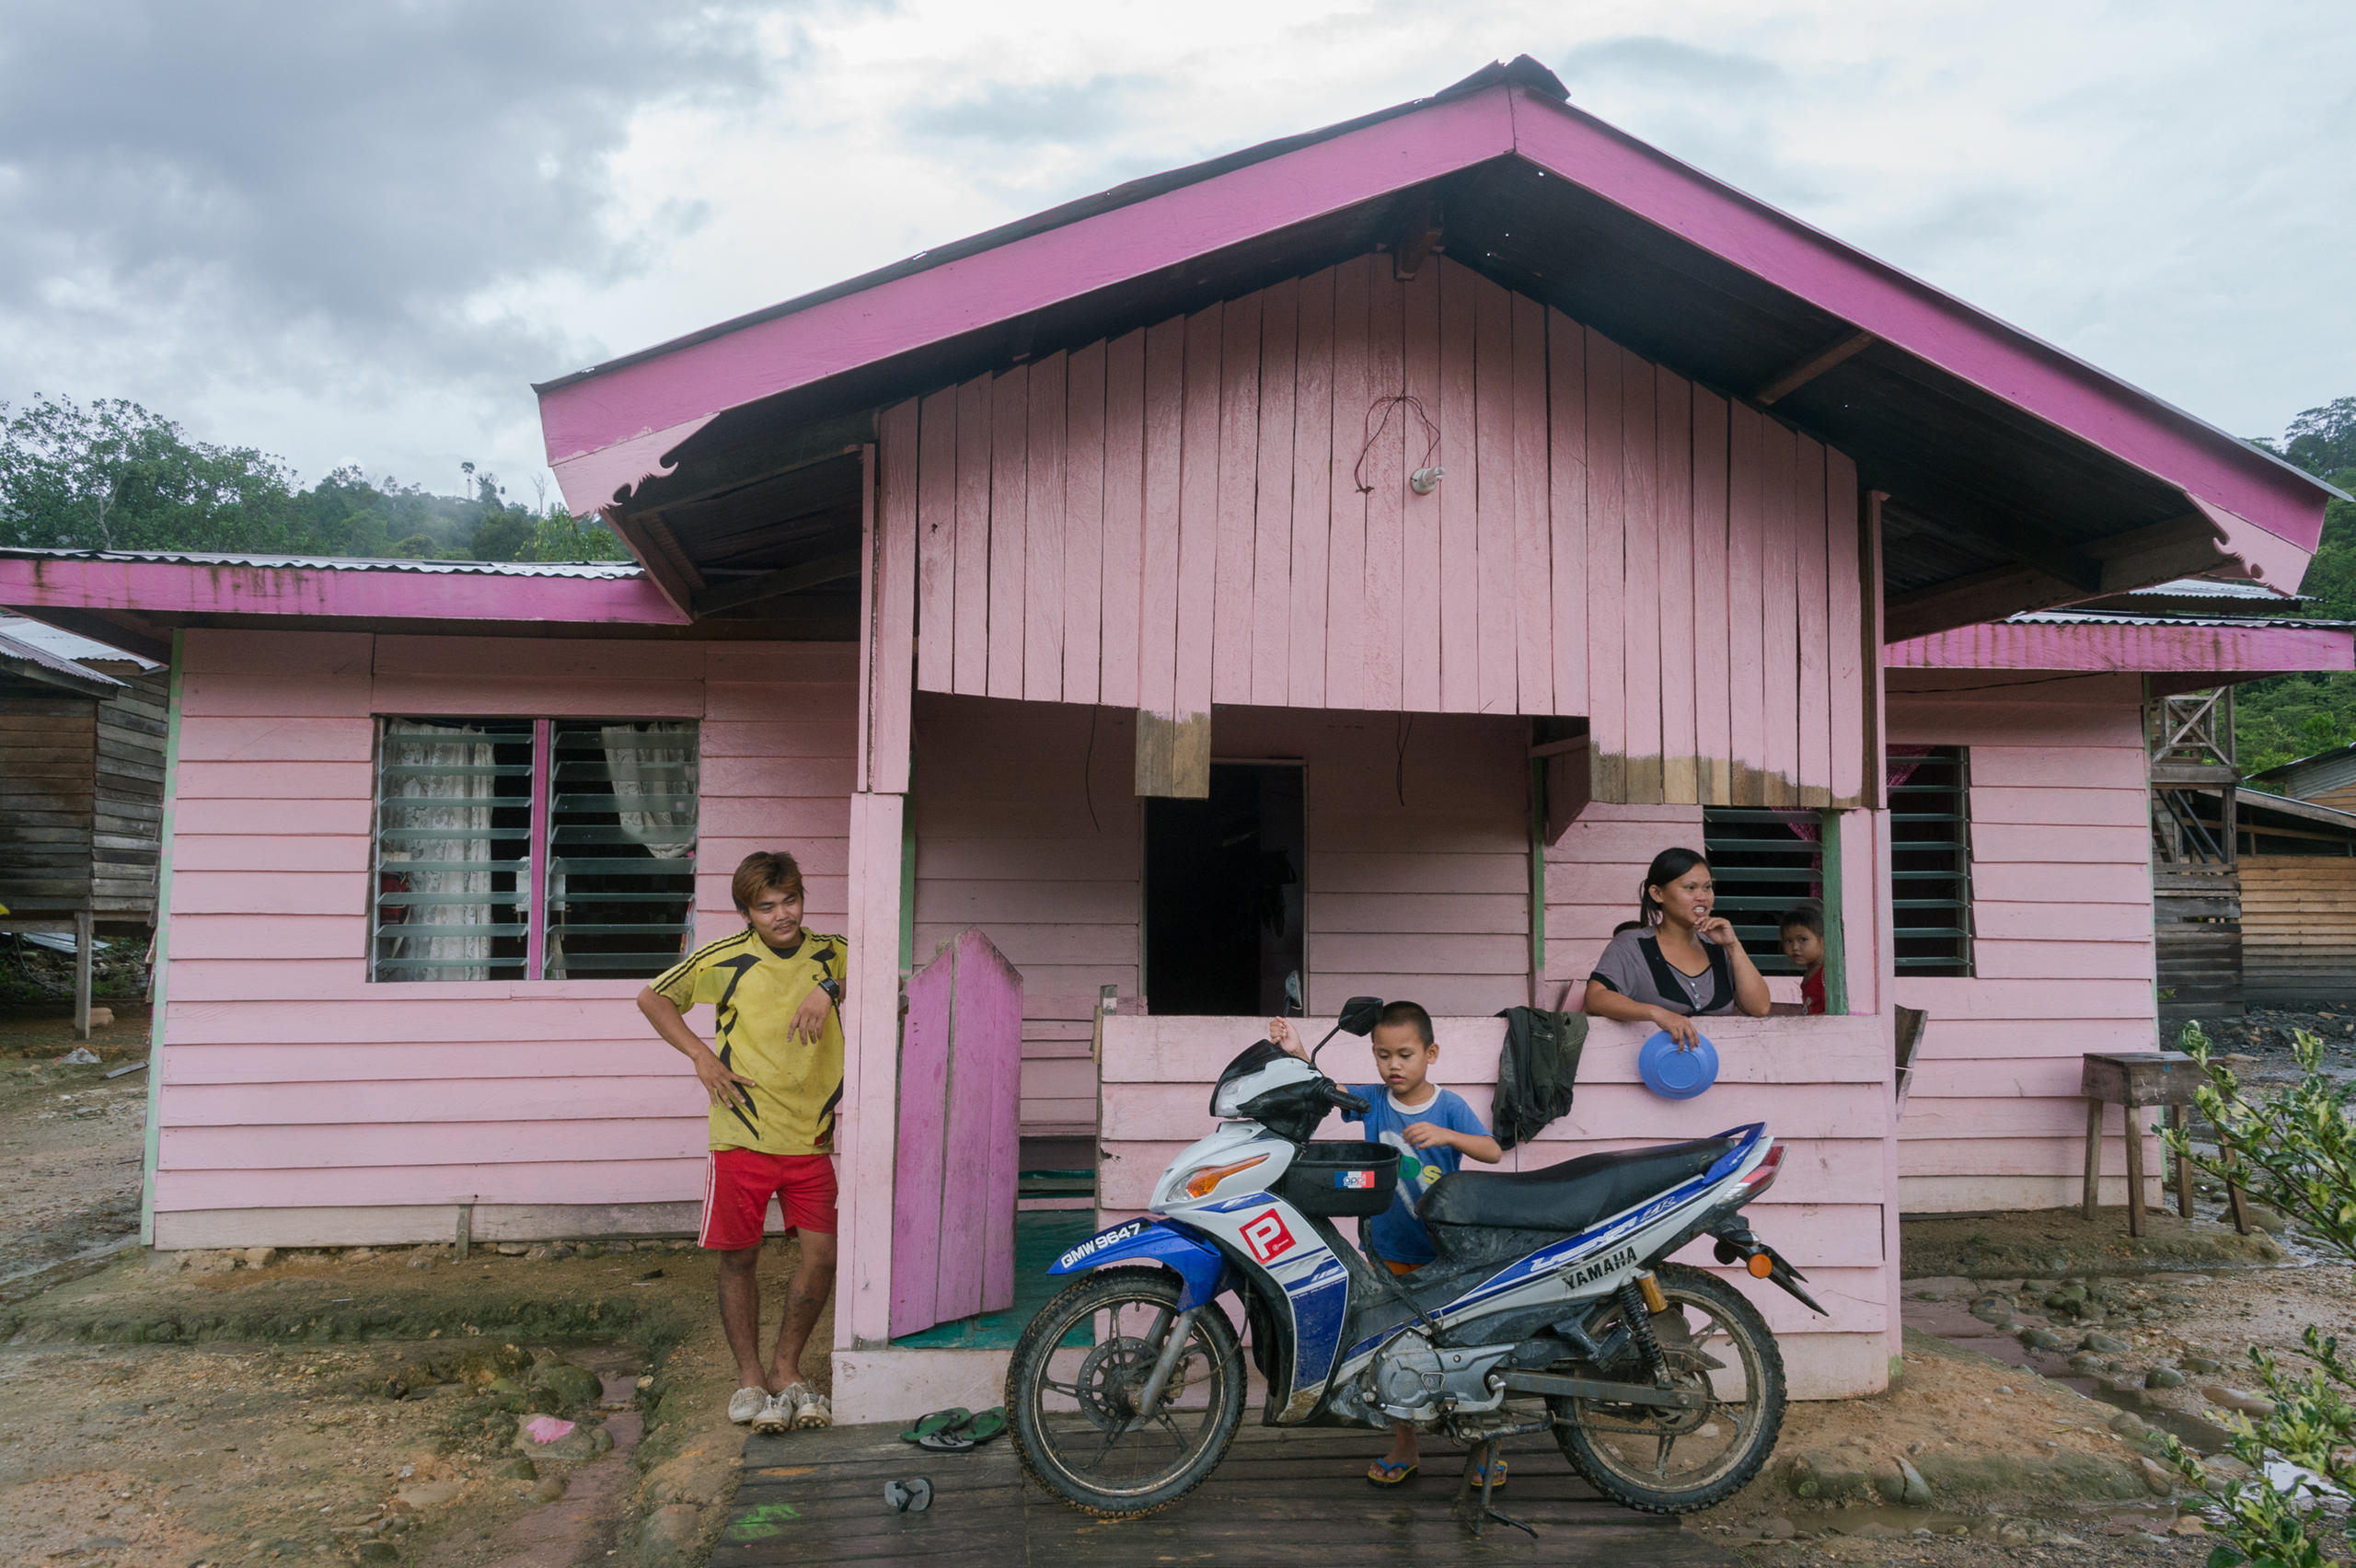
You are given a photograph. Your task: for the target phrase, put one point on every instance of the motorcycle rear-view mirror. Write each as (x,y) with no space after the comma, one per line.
(1360,1014)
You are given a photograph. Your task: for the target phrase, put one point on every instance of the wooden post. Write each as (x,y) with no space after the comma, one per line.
(82,941)
(2094,1156)
(2182,1122)
(2134,1117)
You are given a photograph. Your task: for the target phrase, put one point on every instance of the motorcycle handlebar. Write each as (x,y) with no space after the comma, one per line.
(1341,1099)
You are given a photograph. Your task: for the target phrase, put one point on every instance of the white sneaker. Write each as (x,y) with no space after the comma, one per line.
(746,1403)
(810,1409)
(777,1414)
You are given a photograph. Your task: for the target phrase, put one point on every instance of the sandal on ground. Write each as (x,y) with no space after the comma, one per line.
(1496,1485)
(925,1427)
(806,1409)
(1384,1472)
(971,1433)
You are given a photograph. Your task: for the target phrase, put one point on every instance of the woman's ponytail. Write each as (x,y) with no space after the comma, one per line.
(1667,867)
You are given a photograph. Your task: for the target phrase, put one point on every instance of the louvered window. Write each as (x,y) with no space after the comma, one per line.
(453,837)
(1763,862)
(621,849)
(516,849)
(1930,833)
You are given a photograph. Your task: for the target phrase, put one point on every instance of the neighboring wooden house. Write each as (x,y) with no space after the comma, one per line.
(2296,839)
(81,791)
(1338,566)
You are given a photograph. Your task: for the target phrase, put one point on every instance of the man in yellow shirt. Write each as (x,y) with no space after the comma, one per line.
(775,1077)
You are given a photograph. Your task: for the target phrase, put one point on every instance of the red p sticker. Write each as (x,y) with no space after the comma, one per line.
(1264,1233)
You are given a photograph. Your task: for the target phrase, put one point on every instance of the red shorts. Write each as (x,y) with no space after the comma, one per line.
(739,1182)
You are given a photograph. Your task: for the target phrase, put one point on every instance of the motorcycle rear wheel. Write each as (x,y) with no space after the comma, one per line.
(1071,1407)
(1624,1451)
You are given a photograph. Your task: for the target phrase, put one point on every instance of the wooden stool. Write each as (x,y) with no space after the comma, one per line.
(2132,1080)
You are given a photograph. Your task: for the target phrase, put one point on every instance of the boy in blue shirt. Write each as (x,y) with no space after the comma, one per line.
(1432,1129)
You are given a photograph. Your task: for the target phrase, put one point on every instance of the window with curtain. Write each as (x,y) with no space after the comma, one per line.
(622,848)
(454,833)
(520,849)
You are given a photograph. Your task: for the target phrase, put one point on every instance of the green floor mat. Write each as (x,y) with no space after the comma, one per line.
(1040,1236)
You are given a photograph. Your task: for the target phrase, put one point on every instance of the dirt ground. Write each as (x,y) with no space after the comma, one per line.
(351,1406)
(362,1406)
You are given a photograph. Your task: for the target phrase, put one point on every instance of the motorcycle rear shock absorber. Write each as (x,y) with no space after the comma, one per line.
(1635,1309)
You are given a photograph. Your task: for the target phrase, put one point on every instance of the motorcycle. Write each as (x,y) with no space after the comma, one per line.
(1550,1307)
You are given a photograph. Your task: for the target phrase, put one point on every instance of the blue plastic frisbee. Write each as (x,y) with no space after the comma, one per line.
(1674,1074)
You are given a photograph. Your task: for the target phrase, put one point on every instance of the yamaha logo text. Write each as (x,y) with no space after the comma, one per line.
(1601,1266)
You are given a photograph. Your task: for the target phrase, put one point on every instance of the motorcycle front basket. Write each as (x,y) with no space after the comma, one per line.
(1341,1180)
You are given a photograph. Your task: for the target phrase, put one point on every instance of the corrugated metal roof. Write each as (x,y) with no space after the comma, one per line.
(609,570)
(32,660)
(2120,617)
(68,644)
(2328,817)
(2211,588)
(2282,771)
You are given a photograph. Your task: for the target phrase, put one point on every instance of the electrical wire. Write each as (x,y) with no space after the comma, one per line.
(1378,416)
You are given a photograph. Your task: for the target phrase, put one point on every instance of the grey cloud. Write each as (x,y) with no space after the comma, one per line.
(328,177)
(1664,61)
(1050,111)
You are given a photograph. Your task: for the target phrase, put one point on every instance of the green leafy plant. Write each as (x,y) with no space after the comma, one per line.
(2296,1151)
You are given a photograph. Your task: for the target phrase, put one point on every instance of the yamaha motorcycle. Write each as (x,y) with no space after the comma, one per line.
(1550,1308)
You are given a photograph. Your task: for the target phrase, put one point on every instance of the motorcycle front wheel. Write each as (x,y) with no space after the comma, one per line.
(1675,1461)
(1074,1394)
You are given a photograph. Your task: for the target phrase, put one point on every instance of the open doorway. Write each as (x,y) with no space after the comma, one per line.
(1223,895)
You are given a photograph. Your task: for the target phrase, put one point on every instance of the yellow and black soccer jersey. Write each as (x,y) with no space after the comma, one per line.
(756,989)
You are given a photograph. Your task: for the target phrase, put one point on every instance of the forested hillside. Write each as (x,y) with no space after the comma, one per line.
(114,476)
(2296,716)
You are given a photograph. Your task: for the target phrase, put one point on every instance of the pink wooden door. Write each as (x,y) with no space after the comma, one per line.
(952,1190)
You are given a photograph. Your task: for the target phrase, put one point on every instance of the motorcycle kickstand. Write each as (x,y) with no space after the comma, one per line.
(1484,1455)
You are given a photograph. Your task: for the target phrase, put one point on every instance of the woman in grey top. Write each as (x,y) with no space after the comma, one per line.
(1681,962)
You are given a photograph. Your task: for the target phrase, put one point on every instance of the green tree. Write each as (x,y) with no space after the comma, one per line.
(113,476)
(2295,1150)
(2293,716)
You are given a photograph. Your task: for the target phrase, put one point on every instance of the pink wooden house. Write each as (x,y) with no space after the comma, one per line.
(1338,566)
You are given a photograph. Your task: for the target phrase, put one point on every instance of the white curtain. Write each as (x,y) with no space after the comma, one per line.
(654,760)
(455,801)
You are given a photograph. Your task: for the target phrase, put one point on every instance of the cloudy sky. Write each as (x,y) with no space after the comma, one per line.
(355,233)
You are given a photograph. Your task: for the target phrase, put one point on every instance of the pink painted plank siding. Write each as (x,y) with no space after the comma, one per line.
(1427,901)
(1023,834)
(2062,911)
(1609,541)
(1820,1084)
(290,1081)
(1592,873)
(1567,494)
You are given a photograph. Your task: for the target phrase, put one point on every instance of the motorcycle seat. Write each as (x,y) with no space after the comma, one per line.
(1570,1196)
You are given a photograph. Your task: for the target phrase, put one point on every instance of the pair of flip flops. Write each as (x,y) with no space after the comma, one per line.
(953,1431)
(1384,1472)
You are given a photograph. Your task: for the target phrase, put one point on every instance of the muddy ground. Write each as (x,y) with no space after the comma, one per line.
(352,1406)
(368,1406)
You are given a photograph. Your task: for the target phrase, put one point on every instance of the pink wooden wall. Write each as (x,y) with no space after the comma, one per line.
(2062,911)
(1216,510)
(1427,900)
(1821,1084)
(301,1103)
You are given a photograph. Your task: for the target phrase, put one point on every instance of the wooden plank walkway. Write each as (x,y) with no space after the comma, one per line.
(1279,1497)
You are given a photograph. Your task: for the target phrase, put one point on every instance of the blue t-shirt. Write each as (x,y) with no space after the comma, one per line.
(1397,1232)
